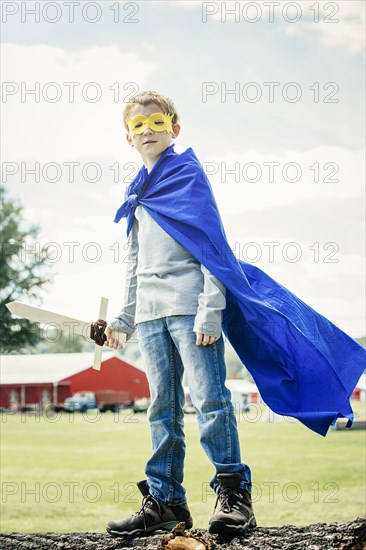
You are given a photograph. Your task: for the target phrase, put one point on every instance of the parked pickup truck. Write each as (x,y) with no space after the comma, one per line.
(104,400)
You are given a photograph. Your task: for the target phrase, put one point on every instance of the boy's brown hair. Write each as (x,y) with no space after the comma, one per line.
(145,98)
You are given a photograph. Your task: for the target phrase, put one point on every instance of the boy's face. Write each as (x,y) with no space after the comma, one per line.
(150,144)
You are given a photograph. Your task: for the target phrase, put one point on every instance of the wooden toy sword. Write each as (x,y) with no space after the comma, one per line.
(95,330)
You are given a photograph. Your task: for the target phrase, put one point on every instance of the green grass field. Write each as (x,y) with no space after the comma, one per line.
(74,473)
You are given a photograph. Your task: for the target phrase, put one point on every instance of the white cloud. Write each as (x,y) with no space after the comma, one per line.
(64,129)
(347,34)
(240,192)
(336,24)
(184,4)
(264,218)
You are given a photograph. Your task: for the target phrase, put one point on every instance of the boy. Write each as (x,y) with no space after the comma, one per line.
(176,305)
(184,284)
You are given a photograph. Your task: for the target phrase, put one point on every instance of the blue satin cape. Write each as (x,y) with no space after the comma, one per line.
(304,366)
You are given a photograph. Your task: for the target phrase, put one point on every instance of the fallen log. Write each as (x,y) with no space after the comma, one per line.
(349,535)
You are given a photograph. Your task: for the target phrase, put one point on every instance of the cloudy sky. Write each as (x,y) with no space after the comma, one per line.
(271,99)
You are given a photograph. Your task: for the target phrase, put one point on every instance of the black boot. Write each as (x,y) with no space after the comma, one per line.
(236,513)
(152,516)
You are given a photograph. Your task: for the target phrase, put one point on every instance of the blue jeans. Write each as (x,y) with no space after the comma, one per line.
(166,345)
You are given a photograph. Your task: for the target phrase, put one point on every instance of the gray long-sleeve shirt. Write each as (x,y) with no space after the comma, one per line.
(163,279)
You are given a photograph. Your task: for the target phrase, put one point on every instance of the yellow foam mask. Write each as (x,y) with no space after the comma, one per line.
(158,122)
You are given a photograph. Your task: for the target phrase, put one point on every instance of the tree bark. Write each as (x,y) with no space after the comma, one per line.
(343,536)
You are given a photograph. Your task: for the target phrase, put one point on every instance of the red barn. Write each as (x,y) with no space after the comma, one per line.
(38,379)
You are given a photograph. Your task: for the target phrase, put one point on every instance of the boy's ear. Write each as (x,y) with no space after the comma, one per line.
(129,140)
(176,130)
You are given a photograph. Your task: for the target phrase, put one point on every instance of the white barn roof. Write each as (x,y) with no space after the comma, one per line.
(47,367)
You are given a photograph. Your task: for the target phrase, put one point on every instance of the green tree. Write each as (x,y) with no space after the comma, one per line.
(21,275)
